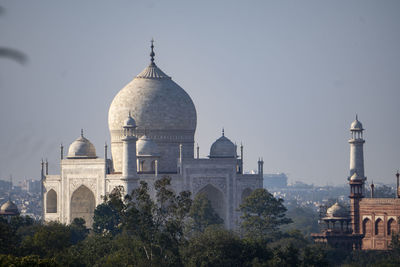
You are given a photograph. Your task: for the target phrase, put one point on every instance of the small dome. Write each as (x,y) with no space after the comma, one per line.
(9,208)
(147,147)
(356,125)
(81,148)
(130,122)
(337,211)
(223,148)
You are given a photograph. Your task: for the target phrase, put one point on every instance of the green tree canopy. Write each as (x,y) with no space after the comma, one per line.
(107,216)
(214,247)
(202,214)
(262,215)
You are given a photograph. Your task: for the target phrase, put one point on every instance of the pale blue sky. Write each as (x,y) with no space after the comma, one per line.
(284,77)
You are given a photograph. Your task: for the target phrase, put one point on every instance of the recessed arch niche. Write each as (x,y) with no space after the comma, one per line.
(217,199)
(51,201)
(82,205)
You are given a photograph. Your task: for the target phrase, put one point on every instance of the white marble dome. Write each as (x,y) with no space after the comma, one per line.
(81,148)
(9,208)
(337,211)
(162,109)
(146,147)
(356,125)
(130,122)
(155,101)
(223,148)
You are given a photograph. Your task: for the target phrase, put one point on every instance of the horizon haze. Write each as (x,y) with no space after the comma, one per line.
(285,78)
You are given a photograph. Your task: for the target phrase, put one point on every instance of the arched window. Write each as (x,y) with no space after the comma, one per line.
(391,226)
(51,201)
(379,227)
(367,227)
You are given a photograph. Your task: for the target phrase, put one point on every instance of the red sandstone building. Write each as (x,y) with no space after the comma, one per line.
(372,220)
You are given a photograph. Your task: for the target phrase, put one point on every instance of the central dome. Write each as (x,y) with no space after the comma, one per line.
(155,102)
(161,108)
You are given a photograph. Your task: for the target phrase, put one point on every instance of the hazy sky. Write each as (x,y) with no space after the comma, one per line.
(286,78)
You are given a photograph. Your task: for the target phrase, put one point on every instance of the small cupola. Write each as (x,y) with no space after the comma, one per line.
(81,148)
(223,148)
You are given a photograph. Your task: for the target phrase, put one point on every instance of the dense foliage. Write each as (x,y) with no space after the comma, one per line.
(174,230)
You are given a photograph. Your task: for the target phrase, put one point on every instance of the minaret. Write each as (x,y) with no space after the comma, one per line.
(241,158)
(261,167)
(129,164)
(356,178)
(398,185)
(42,180)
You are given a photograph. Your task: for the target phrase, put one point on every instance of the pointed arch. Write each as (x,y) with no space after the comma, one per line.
(82,205)
(51,201)
(367,227)
(217,199)
(379,227)
(391,226)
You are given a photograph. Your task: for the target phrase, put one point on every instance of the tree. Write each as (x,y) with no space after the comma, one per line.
(158,225)
(214,247)
(107,216)
(304,219)
(47,240)
(203,214)
(262,215)
(7,238)
(31,260)
(78,230)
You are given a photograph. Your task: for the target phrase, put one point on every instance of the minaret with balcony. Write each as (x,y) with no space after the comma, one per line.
(356,177)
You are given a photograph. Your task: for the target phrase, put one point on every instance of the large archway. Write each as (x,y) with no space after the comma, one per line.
(216,197)
(82,205)
(51,201)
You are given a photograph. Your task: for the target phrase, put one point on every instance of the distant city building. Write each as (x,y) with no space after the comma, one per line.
(31,185)
(272,180)
(373,220)
(152,123)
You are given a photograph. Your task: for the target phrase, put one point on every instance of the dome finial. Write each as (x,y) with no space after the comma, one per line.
(152,54)
(223,131)
(356,117)
(82,132)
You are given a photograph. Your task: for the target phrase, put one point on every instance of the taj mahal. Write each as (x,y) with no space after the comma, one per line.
(152,123)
